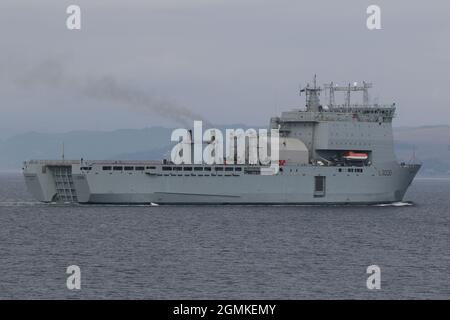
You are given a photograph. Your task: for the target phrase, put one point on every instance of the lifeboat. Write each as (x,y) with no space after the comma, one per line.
(350,155)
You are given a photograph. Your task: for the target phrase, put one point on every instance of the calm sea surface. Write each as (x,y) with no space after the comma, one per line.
(225,252)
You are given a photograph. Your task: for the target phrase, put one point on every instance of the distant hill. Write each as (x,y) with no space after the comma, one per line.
(80,144)
(431,145)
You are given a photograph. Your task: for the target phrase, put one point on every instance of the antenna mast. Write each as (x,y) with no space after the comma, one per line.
(348,89)
(312,96)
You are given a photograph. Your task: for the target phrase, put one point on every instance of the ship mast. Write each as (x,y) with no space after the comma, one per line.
(332,88)
(312,96)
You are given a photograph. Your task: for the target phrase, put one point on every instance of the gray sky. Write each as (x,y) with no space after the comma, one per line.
(230,61)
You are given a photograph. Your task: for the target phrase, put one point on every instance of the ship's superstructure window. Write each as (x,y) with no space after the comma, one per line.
(128,168)
(207,168)
(167,168)
(198,169)
(86,168)
(218,168)
(106,168)
(229,169)
(354,170)
(117,168)
(254,170)
(238,169)
(177,168)
(150,168)
(187,168)
(139,168)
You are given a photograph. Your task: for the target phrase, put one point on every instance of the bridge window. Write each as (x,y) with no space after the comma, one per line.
(106,168)
(128,168)
(117,168)
(167,168)
(139,168)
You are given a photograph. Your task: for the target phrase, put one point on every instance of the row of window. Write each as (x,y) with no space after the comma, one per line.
(350,143)
(178,168)
(125,168)
(352,170)
(166,168)
(198,175)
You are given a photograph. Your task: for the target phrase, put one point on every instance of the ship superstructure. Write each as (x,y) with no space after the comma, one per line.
(329,154)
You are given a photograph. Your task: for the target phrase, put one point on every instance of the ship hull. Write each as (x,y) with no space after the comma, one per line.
(384,183)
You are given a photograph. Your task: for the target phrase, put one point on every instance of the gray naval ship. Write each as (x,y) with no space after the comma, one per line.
(329,154)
